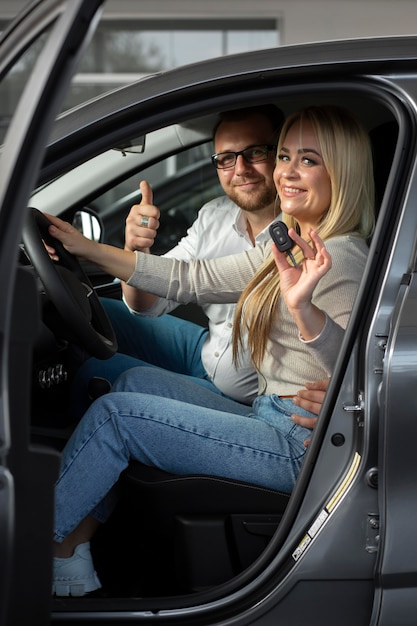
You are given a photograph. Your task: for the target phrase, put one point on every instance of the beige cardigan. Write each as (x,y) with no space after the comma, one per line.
(289,361)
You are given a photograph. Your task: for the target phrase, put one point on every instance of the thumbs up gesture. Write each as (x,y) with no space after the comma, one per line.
(142,222)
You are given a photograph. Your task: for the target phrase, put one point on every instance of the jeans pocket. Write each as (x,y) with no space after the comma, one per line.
(277,413)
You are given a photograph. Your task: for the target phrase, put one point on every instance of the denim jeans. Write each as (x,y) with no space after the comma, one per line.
(179,344)
(258,444)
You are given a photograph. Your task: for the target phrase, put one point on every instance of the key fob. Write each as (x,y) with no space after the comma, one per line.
(279,234)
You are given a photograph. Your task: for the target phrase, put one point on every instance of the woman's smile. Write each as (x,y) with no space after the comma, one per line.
(302,181)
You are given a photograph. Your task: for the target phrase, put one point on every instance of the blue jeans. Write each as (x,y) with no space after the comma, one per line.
(167,342)
(258,444)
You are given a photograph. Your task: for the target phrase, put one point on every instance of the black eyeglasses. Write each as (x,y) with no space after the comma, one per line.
(252,154)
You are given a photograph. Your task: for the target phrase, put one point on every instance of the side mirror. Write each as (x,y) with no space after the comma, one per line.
(89,224)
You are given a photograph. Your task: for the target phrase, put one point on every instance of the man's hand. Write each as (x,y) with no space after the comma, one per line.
(311,399)
(142,222)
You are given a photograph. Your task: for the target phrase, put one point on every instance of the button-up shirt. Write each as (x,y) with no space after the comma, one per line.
(219,230)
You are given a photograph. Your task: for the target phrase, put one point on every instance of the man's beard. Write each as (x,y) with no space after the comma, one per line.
(253,202)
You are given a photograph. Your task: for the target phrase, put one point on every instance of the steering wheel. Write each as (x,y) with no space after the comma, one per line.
(84,319)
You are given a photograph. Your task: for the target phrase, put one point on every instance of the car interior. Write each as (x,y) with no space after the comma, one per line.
(170,536)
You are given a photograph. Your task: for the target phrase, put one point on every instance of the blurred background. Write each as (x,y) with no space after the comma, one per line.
(138,37)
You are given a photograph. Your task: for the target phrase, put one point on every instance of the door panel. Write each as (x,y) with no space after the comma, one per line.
(28,473)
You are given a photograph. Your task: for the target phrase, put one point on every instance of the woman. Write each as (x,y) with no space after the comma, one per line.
(292,318)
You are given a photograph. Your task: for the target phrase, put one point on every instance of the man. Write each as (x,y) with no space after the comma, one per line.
(244,145)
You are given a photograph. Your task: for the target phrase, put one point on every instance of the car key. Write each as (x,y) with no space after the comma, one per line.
(279,233)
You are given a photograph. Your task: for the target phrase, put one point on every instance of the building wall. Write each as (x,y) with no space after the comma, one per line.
(299,20)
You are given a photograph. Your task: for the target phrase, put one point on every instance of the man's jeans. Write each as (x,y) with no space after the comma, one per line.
(167,342)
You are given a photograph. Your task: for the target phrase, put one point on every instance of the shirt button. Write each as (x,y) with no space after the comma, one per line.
(216,354)
(229,325)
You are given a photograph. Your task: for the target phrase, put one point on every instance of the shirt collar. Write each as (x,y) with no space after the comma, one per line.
(241,228)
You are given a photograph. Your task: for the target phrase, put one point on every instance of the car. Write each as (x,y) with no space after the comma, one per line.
(341,548)
(182,177)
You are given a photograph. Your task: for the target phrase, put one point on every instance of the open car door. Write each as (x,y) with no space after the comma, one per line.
(38,55)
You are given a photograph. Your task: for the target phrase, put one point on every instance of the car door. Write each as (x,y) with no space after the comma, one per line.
(396,362)
(49,37)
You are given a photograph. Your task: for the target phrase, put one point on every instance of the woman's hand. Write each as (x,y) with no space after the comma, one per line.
(298,284)
(119,263)
(71,238)
(51,251)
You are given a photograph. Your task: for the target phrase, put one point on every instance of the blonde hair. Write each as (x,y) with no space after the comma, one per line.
(347,157)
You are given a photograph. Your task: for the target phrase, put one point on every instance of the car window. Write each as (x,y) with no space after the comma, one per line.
(181,183)
(13,84)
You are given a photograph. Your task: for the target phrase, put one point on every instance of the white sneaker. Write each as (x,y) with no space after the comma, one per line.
(75,576)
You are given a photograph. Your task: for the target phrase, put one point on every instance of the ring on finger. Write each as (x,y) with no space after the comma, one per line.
(144,221)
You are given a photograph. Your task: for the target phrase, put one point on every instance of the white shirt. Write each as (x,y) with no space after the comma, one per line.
(219,230)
